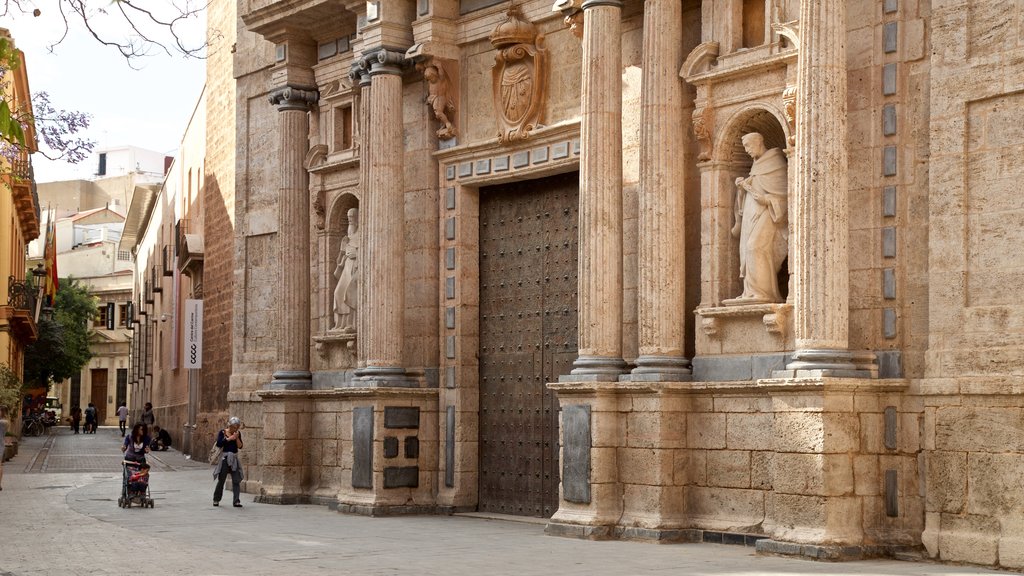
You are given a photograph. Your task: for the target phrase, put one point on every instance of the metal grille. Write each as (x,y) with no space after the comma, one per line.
(528,328)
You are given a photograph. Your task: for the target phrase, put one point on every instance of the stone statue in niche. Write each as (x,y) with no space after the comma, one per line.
(439,98)
(761,222)
(346,291)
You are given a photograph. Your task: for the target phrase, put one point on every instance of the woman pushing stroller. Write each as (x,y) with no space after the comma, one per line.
(136,444)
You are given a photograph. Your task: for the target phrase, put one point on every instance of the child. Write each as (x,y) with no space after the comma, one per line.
(139,480)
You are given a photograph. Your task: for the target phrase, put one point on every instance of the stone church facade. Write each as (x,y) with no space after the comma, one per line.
(527,258)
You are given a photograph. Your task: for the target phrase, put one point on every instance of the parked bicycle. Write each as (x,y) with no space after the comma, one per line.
(32,426)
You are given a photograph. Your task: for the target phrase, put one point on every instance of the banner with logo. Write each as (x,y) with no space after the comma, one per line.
(193,349)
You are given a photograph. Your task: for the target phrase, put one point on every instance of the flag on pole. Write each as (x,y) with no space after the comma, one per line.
(50,257)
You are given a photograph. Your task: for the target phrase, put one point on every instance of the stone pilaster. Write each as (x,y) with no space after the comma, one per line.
(292,370)
(600,267)
(662,251)
(820,206)
(383,268)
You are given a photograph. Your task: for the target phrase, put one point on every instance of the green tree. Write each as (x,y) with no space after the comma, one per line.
(10,392)
(63,345)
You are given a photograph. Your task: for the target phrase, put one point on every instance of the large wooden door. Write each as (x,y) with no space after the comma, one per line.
(528,337)
(98,396)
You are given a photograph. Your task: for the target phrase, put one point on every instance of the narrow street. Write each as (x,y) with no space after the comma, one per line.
(60,516)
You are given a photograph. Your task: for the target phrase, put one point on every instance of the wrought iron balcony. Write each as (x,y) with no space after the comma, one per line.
(21,294)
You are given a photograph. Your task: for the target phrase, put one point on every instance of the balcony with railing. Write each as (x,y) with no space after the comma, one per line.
(26,198)
(19,313)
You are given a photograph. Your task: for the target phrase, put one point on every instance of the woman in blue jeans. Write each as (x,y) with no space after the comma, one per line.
(229,440)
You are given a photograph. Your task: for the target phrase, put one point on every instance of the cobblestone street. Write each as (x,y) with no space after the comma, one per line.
(61,516)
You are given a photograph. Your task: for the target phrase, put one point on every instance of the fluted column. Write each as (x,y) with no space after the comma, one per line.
(600,266)
(361,73)
(383,267)
(292,369)
(661,290)
(820,218)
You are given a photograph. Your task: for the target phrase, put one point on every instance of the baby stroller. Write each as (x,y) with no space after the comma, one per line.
(135,485)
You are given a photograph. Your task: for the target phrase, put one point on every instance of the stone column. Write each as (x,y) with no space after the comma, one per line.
(820,206)
(600,267)
(361,74)
(292,370)
(662,255)
(382,298)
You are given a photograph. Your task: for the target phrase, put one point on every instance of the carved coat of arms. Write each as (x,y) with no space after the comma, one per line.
(519,76)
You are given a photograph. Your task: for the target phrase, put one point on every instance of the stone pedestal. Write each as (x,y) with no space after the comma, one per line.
(286,432)
(600,259)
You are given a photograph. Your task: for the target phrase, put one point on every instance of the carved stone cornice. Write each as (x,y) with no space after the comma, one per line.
(587,4)
(293,98)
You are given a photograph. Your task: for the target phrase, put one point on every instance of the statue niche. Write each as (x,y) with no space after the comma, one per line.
(761,223)
(518,77)
(346,291)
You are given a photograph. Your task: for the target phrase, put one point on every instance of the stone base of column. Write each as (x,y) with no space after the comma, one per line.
(660,369)
(826,552)
(383,377)
(291,380)
(820,362)
(595,369)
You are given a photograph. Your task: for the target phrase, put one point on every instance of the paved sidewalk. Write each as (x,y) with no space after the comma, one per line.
(59,515)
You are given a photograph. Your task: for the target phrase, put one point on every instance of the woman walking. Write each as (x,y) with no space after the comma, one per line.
(229,440)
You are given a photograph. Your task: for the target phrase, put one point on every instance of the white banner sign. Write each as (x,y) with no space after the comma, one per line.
(193,334)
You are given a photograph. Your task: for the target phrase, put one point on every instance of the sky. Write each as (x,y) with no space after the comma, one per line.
(149,108)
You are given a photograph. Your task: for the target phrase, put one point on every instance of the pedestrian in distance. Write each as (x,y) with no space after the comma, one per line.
(147,415)
(76,418)
(136,445)
(122,418)
(90,418)
(161,439)
(229,441)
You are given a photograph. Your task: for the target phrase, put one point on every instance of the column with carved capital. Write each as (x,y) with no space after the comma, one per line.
(661,289)
(600,266)
(292,369)
(381,334)
(821,205)
(360,74)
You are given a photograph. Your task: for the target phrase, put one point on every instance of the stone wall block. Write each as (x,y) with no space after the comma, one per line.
(969,429)
(810,432)
(604,464)
(607,428)
(743,404)
(872,433)
(706,431)
(696,472)
(969,538)
(1011,542)
(643,429)
(729,468)
(645,466)
(760,470)
(866,478)
(813,474)
(747,431)
(995,484)
(946,479)
(325,425)
(731,509)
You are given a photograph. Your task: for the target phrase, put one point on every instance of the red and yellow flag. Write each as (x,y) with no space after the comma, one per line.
(50,258)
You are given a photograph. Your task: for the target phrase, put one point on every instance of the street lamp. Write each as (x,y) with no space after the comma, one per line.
(39,273)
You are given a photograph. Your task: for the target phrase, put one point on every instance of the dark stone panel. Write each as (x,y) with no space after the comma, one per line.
(390,447)
(576,462)
(890,427)
(402,477)
(449,448)
(890,364)
(734,539)
(712,537)
(412,447)
(401,417)
(892,505)
(362,447)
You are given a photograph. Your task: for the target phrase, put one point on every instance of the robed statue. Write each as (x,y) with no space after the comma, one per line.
(761,222)
(346,291)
